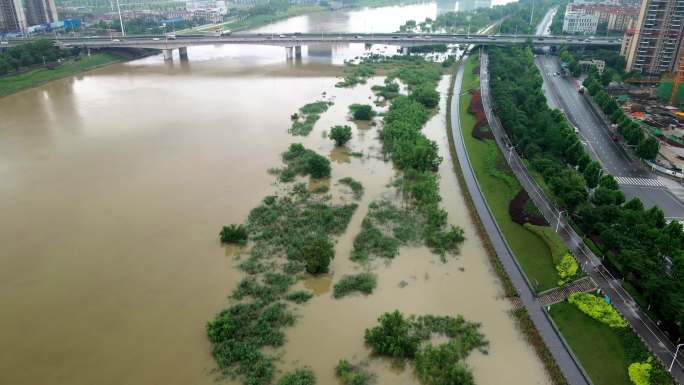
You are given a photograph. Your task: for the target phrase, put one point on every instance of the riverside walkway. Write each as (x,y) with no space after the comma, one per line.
(561,353)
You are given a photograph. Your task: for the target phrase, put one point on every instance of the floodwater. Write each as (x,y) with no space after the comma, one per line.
(116,182)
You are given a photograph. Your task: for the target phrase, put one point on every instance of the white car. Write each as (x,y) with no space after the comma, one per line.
(155,38)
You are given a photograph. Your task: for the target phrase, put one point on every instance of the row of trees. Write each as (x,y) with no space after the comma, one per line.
(646,146)
(415,154)
(514,17)
(646,250)
(29,54)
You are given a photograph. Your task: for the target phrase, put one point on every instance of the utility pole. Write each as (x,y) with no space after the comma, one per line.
(118,7)
(531,12)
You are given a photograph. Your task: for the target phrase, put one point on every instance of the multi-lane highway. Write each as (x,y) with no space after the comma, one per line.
(634,180)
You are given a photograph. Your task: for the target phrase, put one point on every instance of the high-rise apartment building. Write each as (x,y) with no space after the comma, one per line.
(12,16)
(652,46)
(18,15)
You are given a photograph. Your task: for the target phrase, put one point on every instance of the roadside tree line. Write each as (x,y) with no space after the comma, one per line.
(645,146)
(26,55)
(513,17)
(638,243)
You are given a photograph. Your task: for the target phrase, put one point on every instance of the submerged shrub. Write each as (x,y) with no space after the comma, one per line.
(340,134)
(394,336)
(426,95)
(373,242)
(350,374)
(362,282)
(236,234)
(299,296)
(318,166)
(354,185)
(361,111)
(301,376)
(310,113)
(442,365)
(598,309)
(317,254)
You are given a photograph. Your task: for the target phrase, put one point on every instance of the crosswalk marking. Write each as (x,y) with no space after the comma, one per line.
(639,181)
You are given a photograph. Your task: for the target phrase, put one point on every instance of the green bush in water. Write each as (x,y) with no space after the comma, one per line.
(236,234)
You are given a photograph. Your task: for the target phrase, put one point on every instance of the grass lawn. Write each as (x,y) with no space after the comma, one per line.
(597,346)
(36,77)
(500,186)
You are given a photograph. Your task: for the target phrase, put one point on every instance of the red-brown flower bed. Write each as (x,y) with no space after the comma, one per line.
(516,209)
(477,109)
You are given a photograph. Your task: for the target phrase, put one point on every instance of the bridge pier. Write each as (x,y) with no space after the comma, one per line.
(404,50)
(298,51)
(289,53)
(183,52)
(168,54)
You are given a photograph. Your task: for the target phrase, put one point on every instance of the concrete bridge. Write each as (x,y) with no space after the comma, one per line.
(294,41)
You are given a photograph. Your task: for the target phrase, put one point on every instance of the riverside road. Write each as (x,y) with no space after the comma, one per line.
(649,332)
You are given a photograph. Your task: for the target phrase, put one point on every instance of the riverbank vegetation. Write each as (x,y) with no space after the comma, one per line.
(304,121)
(363,283)
(236,234)
(361,111)
(421,220)
(10,84)
(301,376)
(355,186)
(30,54)
(302,161)
(638,243)
(408,338)
(351,374)
(290,234)
(340,134)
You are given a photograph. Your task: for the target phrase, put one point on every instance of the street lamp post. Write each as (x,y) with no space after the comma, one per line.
(118,8)
(558,220)
(675,357)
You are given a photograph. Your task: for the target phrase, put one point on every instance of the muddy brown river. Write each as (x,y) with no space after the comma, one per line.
(114,185)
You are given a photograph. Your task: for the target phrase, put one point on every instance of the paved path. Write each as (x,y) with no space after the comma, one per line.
(561,353)
(645,328)
(559,294)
